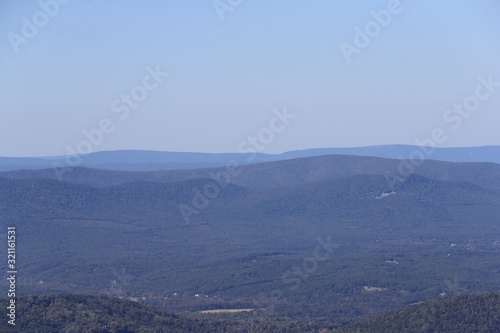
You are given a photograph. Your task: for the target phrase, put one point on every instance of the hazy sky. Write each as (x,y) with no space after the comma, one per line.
(68,68)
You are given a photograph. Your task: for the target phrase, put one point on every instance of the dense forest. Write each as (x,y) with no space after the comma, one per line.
(323,245)
(459,314)
(83,313)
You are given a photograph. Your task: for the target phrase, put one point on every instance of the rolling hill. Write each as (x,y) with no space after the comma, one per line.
(140,160)
(464,313)
(84,313)
(283,173)
(91,314)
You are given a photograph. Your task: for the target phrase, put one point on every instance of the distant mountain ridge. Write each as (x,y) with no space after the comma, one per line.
(141,160)
(282,173)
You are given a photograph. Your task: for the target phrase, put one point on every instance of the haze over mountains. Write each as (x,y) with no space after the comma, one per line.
(137,160)
(232,166)
(247,238)
(283,173)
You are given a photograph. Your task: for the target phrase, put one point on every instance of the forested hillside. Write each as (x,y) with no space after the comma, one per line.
(85,314)
(459,314)
(338,249)
(288,172)
(91,314)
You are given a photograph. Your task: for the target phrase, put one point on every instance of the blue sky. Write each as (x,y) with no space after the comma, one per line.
(225,77)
